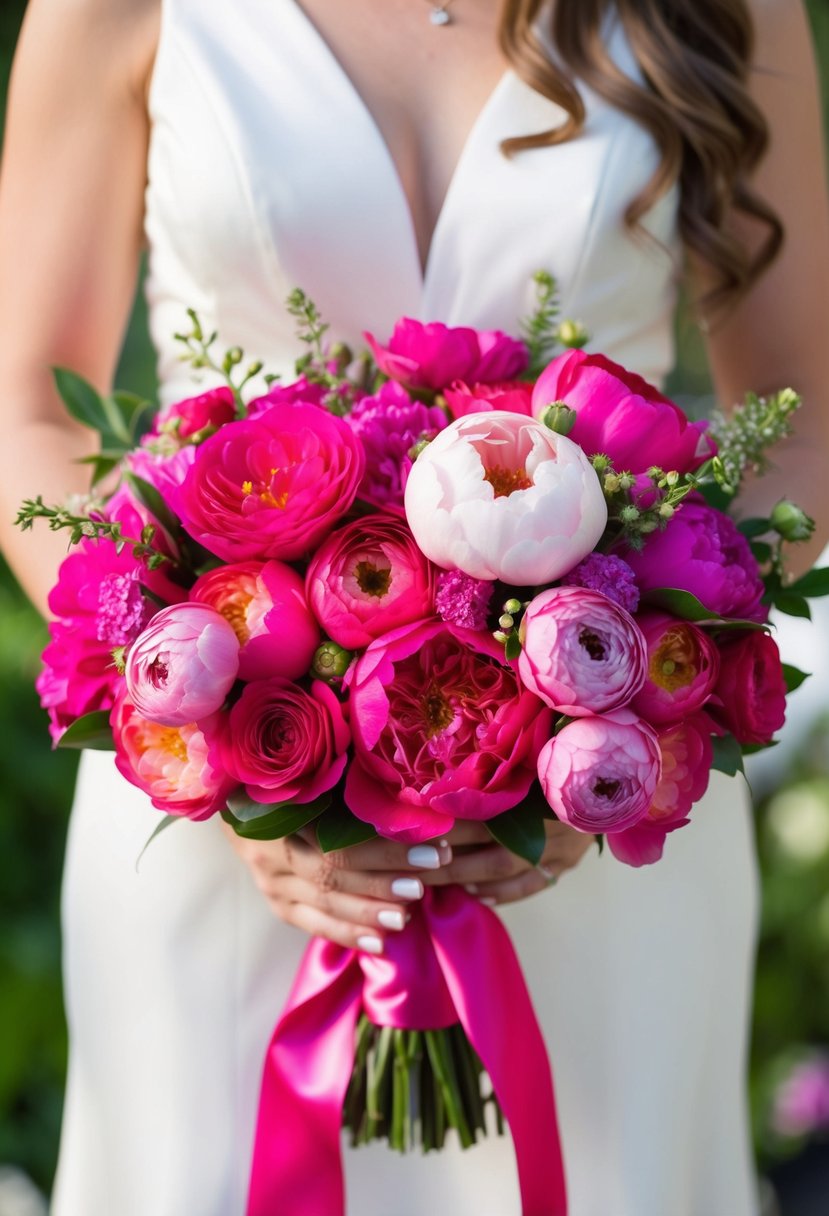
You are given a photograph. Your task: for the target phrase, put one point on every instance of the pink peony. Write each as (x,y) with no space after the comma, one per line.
(581,653)
(285,744)
(271,486)
(600,774)
(181,668)
(367,579)
(432,356)
(193,419)
(683,664)
(389,425)
(501,496)
(751,688)
(265,603)
(442,730)
(621,415)
(513,396)
(175,765)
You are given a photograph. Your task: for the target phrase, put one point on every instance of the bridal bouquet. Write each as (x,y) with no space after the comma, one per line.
(452,578)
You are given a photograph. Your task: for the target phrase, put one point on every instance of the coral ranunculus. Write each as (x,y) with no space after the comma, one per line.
(500,496)
(683,664)
(751,688)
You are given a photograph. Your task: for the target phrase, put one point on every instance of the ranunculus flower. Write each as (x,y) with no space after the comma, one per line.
(389,424)
(265,603)
(683,665)
(285,744)
(431,356)
(701,551)
(197,416)
(514,396)
(687,755)
(581,653)
(621,415)
(751,687)
(367,579)
(181,668)
(599,774)
(271,486)
(501,496)
(443,730)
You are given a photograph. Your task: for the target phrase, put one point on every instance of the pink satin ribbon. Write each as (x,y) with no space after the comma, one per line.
(453,963)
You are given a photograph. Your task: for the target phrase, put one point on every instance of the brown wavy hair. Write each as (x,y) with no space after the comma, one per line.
(695,57)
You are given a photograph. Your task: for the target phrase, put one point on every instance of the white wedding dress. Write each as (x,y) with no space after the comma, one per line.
(266,172)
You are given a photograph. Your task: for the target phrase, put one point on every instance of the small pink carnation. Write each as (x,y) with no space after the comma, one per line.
(608,574)
(389,425)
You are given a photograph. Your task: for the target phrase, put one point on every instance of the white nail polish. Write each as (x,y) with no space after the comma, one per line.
(488,900)
(390,920)
(471,888)
(407,888)
(370,944)
(424,857)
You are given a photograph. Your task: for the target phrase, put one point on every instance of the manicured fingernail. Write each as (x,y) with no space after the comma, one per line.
(445,852)
(407,888)
(471,888)
(424,857)
(370,944)
(489,900)
(390,920)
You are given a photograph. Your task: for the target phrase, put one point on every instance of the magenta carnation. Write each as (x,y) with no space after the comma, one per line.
(463,600)
(609,575)
(389,425)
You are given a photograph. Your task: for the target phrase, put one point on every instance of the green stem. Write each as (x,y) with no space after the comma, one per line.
(440,1056)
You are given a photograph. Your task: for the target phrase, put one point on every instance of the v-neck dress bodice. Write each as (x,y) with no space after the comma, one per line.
(267,172)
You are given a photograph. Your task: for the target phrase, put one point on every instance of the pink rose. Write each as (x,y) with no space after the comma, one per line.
(265,603)
(176,766)
(600,774)
(581,652)
(197,417)
(285,744)
(683,665)
(367,579)
(181,668)
(513,396)
(271,486)
(442,730)
(432,356)
(751,688)
(621,415)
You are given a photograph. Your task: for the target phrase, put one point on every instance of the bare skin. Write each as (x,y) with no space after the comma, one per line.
(68,263)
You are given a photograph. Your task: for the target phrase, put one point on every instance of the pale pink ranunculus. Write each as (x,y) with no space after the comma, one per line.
(751,689)
(266,605)
(513,396)
(443,730)
(432,356)
(272,485)
(581,652)
(368,578)
(500,496)
(600,774)
(176,766)
(285,744)
(181,668)
(683,665)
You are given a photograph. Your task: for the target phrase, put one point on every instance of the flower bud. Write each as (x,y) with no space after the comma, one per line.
(506,621)
(512,606)
(330,662)
(558,417)
(573,334)
(417,448)
(340,356)
(790,522)
(500,636)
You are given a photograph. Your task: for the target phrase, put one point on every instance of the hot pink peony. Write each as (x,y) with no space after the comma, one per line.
(621,415)
(751,688)
(683,665)
(442,731)
(265,603)
(581,653)
(432,356)
(513,396)
(367,579)
(193,419)
(501,496)
(271,486)
(181,668)
(599,774)
(285,744)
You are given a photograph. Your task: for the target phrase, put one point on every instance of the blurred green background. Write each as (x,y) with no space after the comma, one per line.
(792,1002)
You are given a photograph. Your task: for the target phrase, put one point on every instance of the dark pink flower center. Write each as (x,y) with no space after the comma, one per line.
(373,579)
(157,672)
(605,787)
(593,644)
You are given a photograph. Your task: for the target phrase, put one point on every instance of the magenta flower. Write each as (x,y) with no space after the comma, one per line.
(514,396)
(801,1102)
(432,356)
(608,574)
(389,425)
(751,689)
(301,391)
(197,417)
(581,653)
(165,472)
(367,579)
(621,415)
(683,665)
(181,668)
(442,730)
(463,600)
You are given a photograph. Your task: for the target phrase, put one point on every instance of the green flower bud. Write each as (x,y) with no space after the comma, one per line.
(341,355)
(790,522)
(330,662)
(600,462)
(506,621)
(558,417)
(512,607)
(629,515)
(626,481)
(612,483)
(573,334)
(666,511)
(119,655)
(501,637)
(417,448)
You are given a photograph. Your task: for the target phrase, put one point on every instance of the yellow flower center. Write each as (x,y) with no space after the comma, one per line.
(437,711)
(675,662)
(507,481)
(170,740)
(266,492)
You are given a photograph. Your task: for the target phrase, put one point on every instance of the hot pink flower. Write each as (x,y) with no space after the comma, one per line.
(600,774)
(442,731)
(751,688)
(165,472)
(683,665)
(801,1102)
(265,603)
(388,425)
(285,744)
(433,356)
(367,579)
(271,486)
(581,653)
(302,391)
(181,668)
(197,417)
(514,396)
(176,766)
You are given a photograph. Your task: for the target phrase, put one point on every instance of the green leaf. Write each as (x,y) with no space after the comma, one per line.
(688,608)
(92,731)
(792,604)
(728,755)
(155,504)
(277,819)
(102,466)
(157,830)
(813,584)
(337,828)
(761,551)
(136,413)
(793,676)
(83,402)
(521,830)
(512,647)
(754,527)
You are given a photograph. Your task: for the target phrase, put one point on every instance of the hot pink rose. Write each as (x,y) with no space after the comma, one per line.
(285,744)
(369,578)
(176,766)
(181,668)
(621,415)
(271,486)
(197,417)
(514,396)
(442,731)
(581,652)
(683,664)
(265,603)
(600,774)
(751,688)
(432,356)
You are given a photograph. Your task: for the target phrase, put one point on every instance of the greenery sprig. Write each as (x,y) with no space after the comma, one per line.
(198,348)
(744,437)
(93,527)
